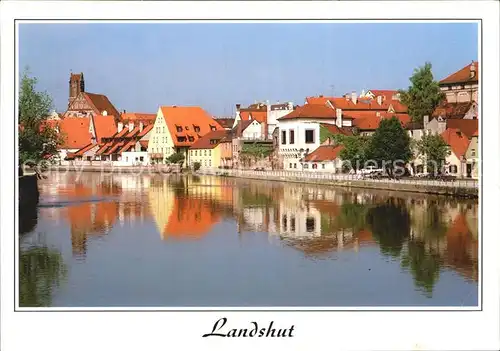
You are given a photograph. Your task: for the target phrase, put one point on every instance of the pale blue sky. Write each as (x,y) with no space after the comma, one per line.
(141,66)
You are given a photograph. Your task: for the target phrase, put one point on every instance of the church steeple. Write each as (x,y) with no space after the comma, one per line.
(76,86)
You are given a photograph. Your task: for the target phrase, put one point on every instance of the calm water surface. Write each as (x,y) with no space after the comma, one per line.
(126,240)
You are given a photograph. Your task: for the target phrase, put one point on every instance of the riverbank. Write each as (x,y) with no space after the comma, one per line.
(459,188)
(464,188)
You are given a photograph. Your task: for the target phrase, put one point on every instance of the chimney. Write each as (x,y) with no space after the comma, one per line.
(124,111)
(354,97)
(120,127)
(426,121)
(379,99)
(347,97)
(130,126)
(141,126)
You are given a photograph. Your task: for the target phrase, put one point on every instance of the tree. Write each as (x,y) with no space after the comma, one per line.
(37,141)
(354,153)
(196,166)
(177,157)
(423,95)
(390,145)
(434,150)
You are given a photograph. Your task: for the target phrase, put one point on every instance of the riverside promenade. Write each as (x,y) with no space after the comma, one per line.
(468,188)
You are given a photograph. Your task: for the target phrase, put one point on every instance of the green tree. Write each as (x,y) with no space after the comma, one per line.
(196,166)
(37,141)
(354,154)
(177,157)
(40,270)
(434,150)
(390,145)
(390,226)
(423,95)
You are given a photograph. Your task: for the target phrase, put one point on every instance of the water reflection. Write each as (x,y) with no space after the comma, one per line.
(423,235)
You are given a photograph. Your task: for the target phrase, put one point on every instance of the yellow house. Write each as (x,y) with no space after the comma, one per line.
(176,129)
(210,150)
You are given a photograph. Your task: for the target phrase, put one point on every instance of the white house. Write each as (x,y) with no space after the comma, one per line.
(275,112)
(304,130)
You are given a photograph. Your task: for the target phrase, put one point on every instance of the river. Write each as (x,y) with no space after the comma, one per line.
(173,241)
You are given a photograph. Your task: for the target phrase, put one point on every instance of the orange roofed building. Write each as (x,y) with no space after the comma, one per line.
(176,129)
(462,86)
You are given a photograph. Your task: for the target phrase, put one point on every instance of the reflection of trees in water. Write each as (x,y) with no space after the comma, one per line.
(40,270)
(390,226)
(423,265)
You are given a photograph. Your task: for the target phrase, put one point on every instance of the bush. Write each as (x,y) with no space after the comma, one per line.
(196,166)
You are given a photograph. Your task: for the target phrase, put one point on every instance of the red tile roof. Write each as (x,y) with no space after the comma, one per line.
(362,104)
(324,153)
(101,103)
(462,75)
(452,110)
(133,132)
(75,132)
(457,141)
(384,92)
(211,140)
(468,127)
(317,100)
(146,130)
(103,147)
(105,126)
(128,146)
(114,148)
(144,143)
(370,123)
(226,122)
(259,116)
(145,118)
(311,111)
(332,128)
(84,150)
(188,116)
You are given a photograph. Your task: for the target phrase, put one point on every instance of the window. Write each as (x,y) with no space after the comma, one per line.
(205,163)
(294,165)
(126,159)
(291,166)
(292,137)
(306,166)
(310,224)
(179,129)
(285,224)
(323,166)
(453,169)
(163,129)
(89,158)
(141,158)
(283,137)
(315,166)
(309,136)
(473,152)
(205,153)
(137,158)
(196,129)
(209,152)
(196,152)
(292,224)
(210,162)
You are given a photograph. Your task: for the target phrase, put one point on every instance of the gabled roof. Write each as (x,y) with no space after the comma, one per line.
(384,92)
(105,126)
(76,132)
(362,104)
(468,127)
(259,116)
(463,75)
(101,103)
(311,111)
(457,141)
(210,140)
(187,117)
(324,153)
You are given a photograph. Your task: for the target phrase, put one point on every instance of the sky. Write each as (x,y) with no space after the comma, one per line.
(141,66)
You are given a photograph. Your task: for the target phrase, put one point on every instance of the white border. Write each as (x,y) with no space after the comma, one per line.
(346,330)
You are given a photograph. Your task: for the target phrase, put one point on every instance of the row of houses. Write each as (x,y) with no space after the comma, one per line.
(298,137)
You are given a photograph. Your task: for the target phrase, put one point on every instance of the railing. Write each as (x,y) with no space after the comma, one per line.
(324,176)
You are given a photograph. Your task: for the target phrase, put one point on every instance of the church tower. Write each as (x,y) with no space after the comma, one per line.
(76,86)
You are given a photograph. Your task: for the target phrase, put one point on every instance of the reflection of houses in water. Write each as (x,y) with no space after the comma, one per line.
(190,208)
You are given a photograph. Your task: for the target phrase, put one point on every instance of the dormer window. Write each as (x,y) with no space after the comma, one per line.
(196,129)
(187,127)
(179,129)
(212,128)
(190,138)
